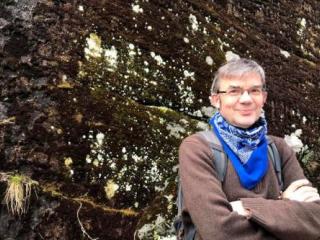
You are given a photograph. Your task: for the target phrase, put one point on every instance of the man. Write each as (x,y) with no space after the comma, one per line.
(249,203)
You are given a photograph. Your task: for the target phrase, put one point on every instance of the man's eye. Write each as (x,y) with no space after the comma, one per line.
(255,91)
(234,92)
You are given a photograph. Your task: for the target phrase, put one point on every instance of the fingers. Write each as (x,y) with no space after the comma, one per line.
(297,184)
(300,191)
(293,187)
(306,189)
(313,198)
(309,194)
(302,194)
(237,206)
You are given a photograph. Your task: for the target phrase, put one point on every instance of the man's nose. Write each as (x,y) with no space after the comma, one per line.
(245,97)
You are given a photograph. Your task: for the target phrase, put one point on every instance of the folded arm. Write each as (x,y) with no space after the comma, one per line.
(206,202)
(286,219)
(297,214)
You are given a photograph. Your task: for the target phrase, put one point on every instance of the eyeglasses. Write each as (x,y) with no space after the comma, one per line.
(238,92)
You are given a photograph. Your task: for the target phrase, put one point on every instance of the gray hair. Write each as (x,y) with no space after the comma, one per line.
(236,67)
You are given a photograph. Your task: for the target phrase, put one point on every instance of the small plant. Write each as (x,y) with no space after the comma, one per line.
(18,192)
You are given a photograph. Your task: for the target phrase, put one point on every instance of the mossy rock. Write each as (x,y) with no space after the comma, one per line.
(97,96)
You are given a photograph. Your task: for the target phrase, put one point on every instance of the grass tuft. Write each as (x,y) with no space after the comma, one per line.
(18,193)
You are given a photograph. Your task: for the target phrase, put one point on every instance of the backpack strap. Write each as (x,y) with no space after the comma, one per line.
(181,232)
(220,159)
(179,198)
(276,160)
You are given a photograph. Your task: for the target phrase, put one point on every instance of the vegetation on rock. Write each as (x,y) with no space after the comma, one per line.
(96,97)
(18,192)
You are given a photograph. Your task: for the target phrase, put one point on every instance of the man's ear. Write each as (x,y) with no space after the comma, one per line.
(215,100)
(265,95)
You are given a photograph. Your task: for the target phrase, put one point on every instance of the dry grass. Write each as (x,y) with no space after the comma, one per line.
(18,193)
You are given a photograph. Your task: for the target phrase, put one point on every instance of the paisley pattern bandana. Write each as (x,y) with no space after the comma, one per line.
(246,148)
(241,141)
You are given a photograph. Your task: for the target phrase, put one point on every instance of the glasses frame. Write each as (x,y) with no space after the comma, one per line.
(263,89)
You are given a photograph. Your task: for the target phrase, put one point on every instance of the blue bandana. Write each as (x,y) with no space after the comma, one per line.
(246,148)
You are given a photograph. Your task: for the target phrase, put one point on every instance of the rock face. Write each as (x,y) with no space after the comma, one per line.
(96,97)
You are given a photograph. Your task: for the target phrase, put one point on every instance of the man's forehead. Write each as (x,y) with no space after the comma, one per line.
(239,79)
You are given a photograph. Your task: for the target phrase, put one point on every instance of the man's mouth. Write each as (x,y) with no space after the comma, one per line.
(246,111)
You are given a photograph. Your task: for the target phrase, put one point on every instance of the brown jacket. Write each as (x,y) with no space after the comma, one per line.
(206,200)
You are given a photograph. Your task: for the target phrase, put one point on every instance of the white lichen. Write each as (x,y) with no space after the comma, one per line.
(294,141)
(131,46)
(203,126)
(124,150)
(188,74)
(80,8)
(100,138)
(136,8)
(68,162)
(157,58)
(231,56)
(131,50)
(194,22)
(136,158)
(111,55)
(197,113)
(208,111)
(157,230)
(88,159)
(175,130)
(285,53)
(186,95)
(110,189)
(93,49)
(128,187)
(304,119)
(145,231)
(302,26)
(209,60)
(170,237)
(95,163)
(223,44)
(205,32)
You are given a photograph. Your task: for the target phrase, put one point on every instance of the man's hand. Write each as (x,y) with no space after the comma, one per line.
(238,207)
(299,191)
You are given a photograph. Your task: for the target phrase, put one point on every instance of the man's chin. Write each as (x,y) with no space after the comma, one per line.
(246,123)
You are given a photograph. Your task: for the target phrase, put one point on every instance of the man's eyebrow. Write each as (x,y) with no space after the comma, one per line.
(234,86)
(254,86)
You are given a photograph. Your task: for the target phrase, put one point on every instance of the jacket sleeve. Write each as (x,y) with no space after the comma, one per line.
(205,200)
(284,218)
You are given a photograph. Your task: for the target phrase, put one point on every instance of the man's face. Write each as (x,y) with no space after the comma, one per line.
(240,110)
